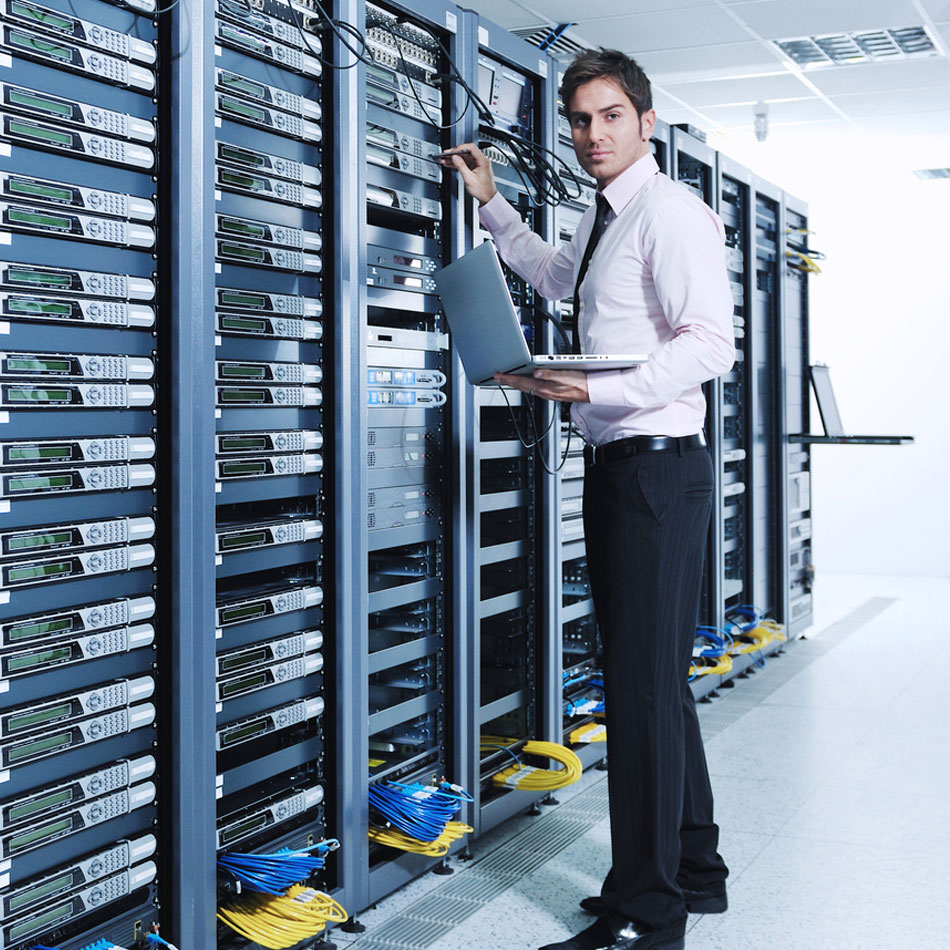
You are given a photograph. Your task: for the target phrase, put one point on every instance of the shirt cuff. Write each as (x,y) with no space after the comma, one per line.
(497,212)
(605,387)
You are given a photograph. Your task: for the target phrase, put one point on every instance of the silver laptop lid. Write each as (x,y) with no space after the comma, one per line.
(485,327)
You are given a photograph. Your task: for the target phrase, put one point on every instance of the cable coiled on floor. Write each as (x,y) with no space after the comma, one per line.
(528,777)
(277,922)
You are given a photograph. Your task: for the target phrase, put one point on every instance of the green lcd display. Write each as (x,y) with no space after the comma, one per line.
(36,189)
(243,685)
(243,228)
(231,541)
(46,308)
(231,663)
(43,277)
(241,156)
(38,717)
(33,806)
(243,39)
(40,747)
(238,443)
(27,364)
(37,394)
(244,612)
(40,628)
(40,921)
(243,371)
(237,180)
(30,483)
(244,396)
(245,253)
(35,572)
(28,661)
(242,109)
(244,468)
(43,47)
(39,453)
(240,84)
(231,298)
(37,219)
(245,324)
(29,542)
(379,95)
(53,886)
(40,134)
(47,18)
(36,103)
(377,72)
(243,828)
(245,732)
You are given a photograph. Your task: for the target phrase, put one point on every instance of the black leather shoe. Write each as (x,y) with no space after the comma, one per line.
(616,933)
(710,900)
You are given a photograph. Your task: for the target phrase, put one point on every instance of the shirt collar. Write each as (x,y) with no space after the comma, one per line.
(620,192)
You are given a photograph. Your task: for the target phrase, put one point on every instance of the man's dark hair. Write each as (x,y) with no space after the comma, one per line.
(608,64)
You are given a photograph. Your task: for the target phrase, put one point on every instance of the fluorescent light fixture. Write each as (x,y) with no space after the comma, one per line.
(869,46)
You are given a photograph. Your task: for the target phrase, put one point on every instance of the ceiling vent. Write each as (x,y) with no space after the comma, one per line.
(553,40)
(929,174)
(844,49)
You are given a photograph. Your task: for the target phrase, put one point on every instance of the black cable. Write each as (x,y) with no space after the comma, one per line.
(336,26)
(539,437)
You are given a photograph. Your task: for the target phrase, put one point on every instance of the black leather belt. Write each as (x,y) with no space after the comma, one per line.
(640,445)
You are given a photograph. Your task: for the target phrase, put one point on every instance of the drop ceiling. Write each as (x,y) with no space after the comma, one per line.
(710,61)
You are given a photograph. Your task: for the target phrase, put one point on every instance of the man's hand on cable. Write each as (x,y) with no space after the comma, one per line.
(562,385)
(475,168)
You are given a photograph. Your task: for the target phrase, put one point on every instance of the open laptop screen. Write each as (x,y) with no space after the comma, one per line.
(827,405)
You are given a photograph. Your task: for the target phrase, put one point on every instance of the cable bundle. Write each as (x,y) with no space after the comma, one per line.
(417,818)
(393,838)
(754,631)
(274,873)
(277,922)
(710,666)
(588,706)
(589,732)
(529,777)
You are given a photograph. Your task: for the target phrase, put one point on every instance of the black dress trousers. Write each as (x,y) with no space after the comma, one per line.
(645,519)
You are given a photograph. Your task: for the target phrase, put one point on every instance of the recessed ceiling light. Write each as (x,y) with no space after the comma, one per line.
(929,174)
(870,46)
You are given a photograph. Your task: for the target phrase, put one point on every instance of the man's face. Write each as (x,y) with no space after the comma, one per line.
(608,134)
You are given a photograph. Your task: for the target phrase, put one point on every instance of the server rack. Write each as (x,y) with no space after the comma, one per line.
(80,518)
(693,163)
(795,488)
(764,327)
(405,437)
(272,506)
(514,518)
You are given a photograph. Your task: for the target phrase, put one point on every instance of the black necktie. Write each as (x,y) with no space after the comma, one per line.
(600,223)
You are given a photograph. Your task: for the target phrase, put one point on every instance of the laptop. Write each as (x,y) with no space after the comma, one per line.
(485,326)
(831,418)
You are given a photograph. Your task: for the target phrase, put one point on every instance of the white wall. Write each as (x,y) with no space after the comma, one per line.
(880,316)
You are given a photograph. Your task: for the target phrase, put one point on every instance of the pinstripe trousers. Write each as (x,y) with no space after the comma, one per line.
(646,519)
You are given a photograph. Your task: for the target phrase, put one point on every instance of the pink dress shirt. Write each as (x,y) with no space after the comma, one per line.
(656,284)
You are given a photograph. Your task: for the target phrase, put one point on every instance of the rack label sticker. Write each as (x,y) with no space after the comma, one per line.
(6,60)
(451,21)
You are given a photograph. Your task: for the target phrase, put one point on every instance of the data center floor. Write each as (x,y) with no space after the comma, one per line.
(830,768)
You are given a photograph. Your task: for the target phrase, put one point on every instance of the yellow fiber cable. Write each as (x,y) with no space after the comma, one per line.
(589,732)
(535,779)
(711,665)
(394,838)
(279,922)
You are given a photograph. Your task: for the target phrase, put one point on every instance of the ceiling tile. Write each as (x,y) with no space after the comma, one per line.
(661,31)
(938,9)
(800,110)
(867,77)
(895,102)
(721,59)
(896,128)
(563,11)
(702,94)
(779,19)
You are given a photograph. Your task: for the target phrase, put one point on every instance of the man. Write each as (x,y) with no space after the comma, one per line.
(656,283)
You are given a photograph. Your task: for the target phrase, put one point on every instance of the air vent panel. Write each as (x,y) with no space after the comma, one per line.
(869,46)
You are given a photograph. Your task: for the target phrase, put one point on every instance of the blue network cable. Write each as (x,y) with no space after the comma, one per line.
(420,811)
(274,873)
